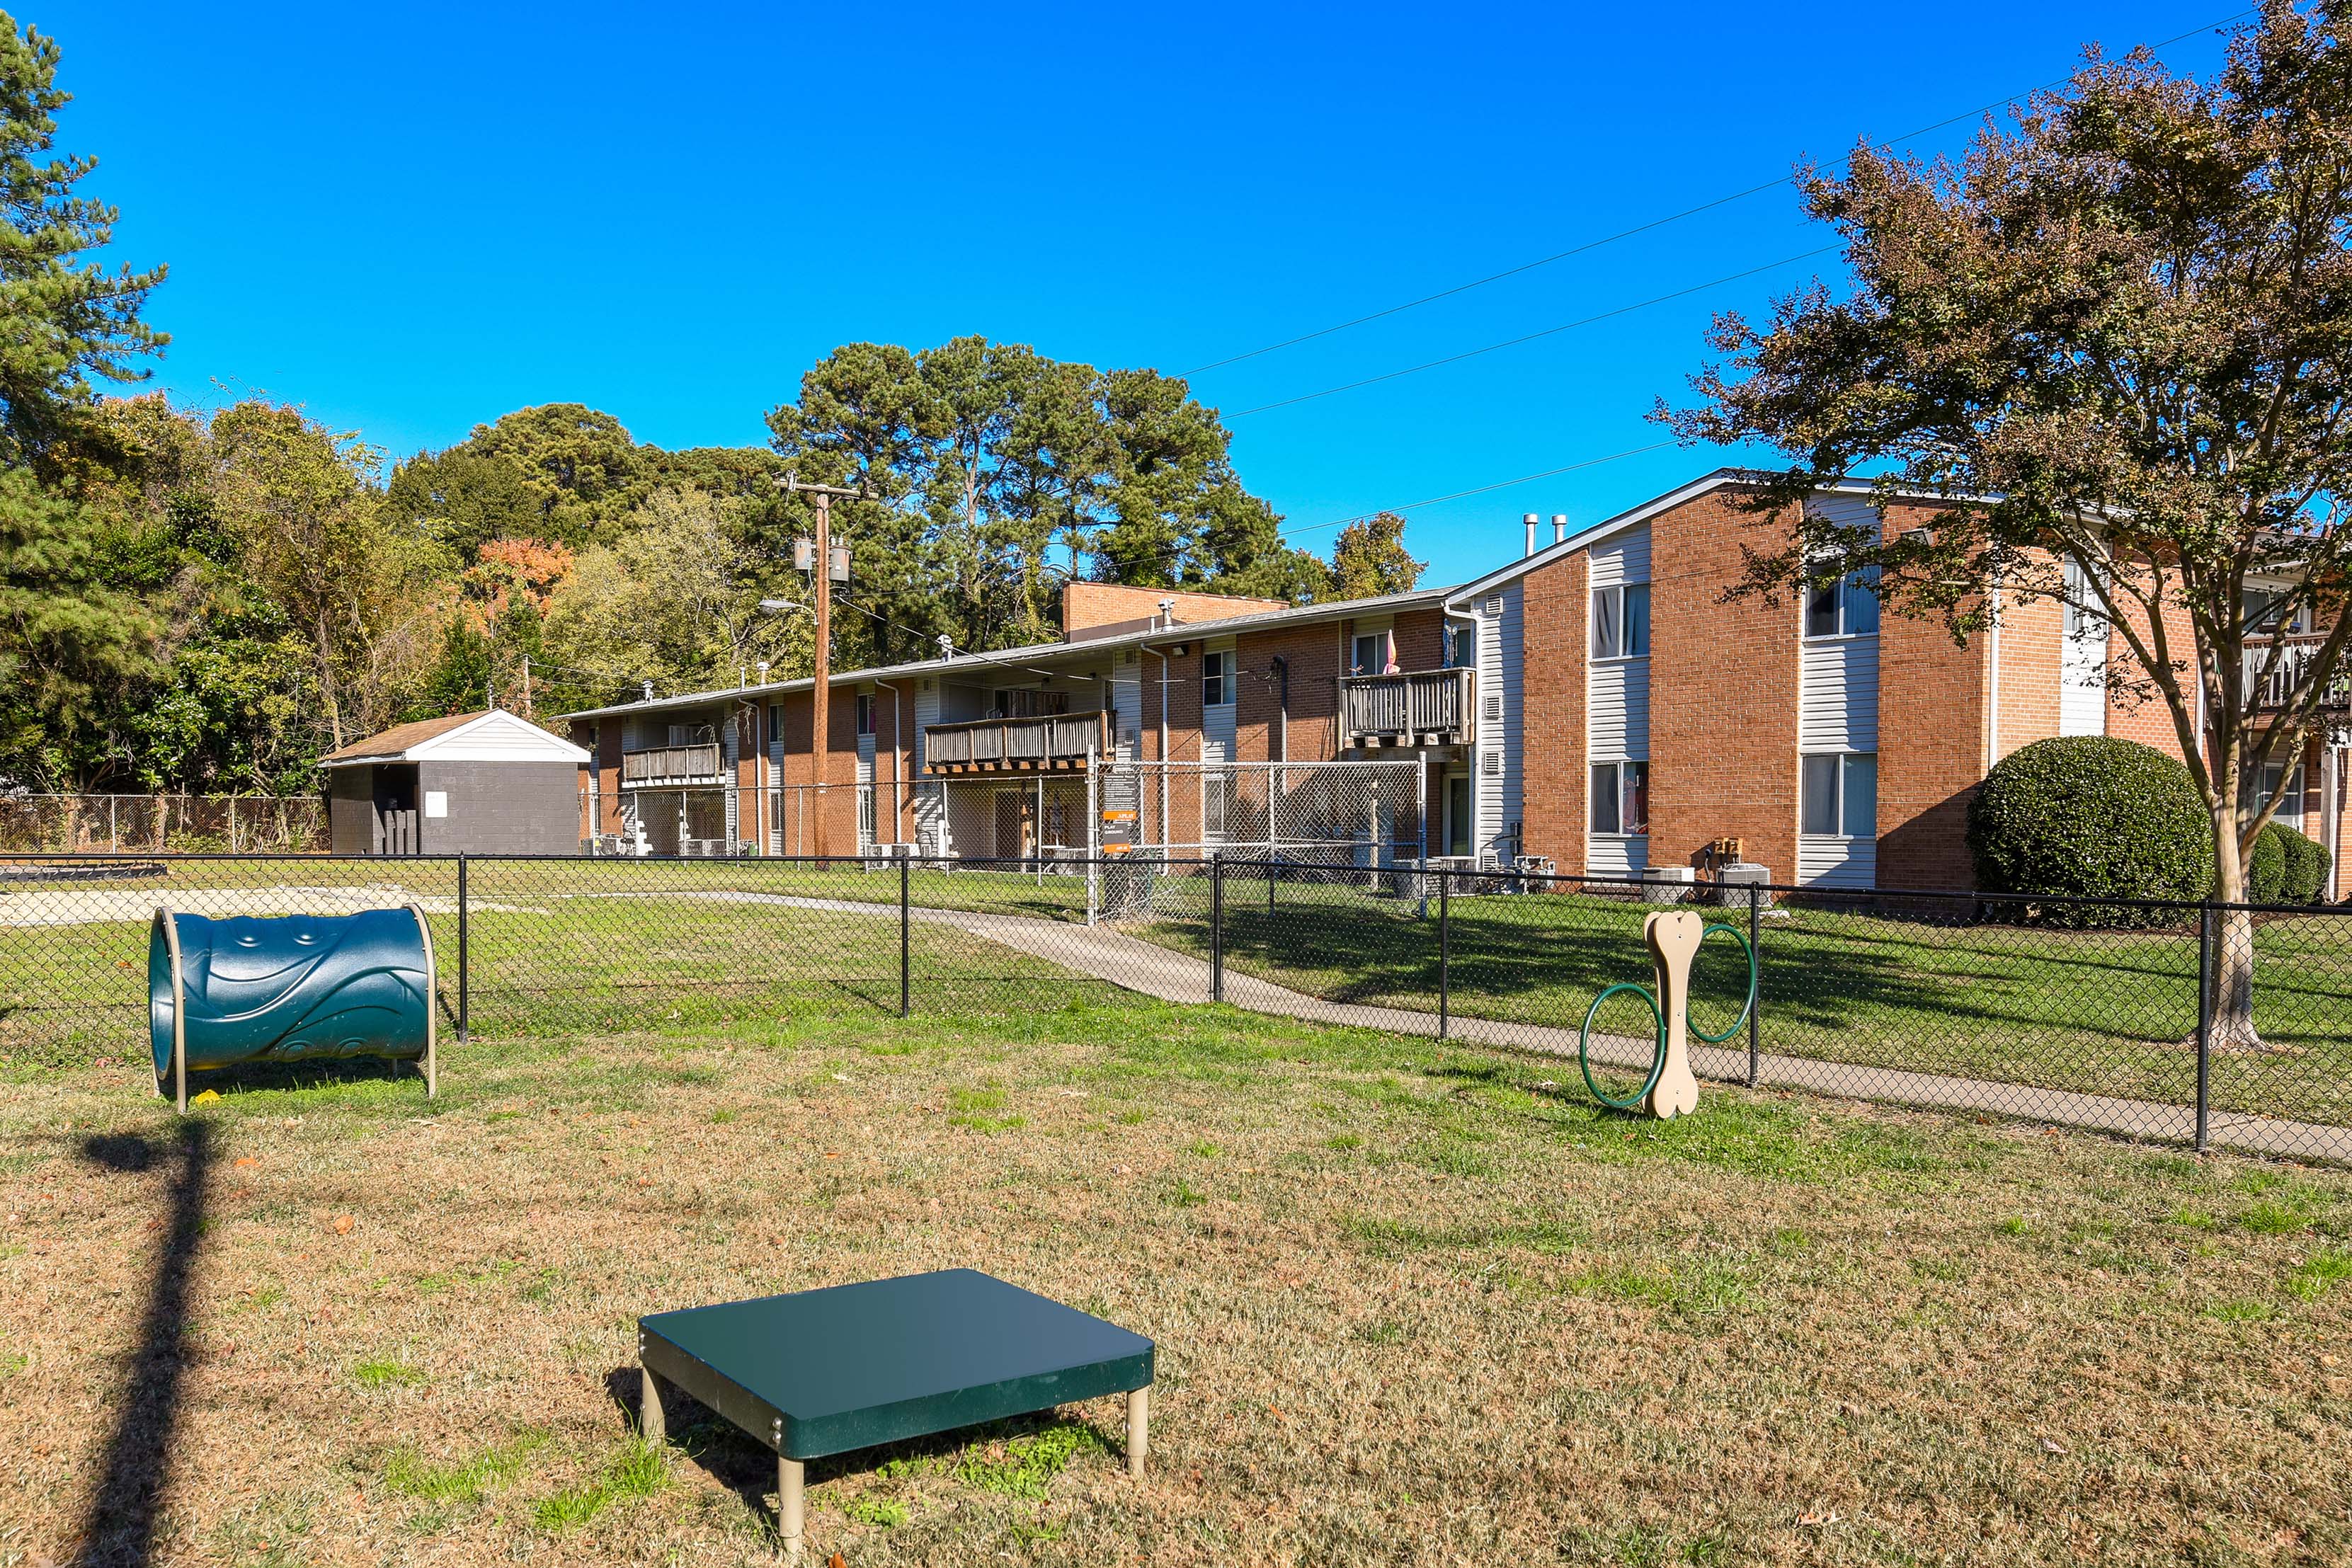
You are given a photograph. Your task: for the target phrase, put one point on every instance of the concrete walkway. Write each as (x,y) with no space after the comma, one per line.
(1152,970)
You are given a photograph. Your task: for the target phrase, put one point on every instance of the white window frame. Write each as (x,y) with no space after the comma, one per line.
(1838,777)
(1384,651)
(1844,588)
(1616,792)
(1219,676)
(865,706)
(1614,596)
(2290,785)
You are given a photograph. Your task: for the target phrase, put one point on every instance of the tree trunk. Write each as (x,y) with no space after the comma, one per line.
(2233,958)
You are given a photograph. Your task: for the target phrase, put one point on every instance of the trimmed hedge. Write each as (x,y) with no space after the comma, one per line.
(2095,817)
(2304,871)
(2266,866)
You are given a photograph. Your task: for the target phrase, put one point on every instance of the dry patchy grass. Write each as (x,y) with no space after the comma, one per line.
(1414,1305)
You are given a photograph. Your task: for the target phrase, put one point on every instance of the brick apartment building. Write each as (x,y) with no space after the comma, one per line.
(1595,703)
(1142,676)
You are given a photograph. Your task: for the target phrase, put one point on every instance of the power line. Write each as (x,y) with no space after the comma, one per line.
(1546,332)
(1661,222)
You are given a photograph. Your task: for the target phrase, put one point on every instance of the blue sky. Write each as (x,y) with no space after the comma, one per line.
(411,219)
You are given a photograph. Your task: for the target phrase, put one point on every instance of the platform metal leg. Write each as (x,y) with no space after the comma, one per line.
(791,1505)
(653,1424)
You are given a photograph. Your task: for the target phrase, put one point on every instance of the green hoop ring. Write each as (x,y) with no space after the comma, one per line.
(1745,1008)
(1585,1045)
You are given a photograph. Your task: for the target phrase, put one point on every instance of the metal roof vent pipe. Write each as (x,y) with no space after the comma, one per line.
(1167,613)
(1531,520)
(1559,528)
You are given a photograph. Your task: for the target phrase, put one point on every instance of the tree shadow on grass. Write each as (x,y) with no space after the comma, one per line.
(119,1531)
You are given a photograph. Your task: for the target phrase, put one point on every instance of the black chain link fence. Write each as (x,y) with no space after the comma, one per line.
(2140,1018)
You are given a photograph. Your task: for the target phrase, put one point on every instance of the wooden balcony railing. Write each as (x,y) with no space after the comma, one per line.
(1016,745)
(1426,708)
(2290,682)
(665,765)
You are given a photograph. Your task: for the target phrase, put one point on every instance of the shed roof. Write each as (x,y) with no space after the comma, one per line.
(493,735)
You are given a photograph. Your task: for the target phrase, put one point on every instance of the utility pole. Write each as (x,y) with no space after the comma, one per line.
(820,696)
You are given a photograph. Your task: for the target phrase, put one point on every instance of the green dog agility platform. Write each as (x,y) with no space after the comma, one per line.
(824,1372)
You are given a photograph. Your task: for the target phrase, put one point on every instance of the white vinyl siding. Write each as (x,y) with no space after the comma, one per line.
(933,832)
(1126,705)
(2083,662)
(1622,559)
(1501,797)
(1616,856)
(1837,708)
(1618,717)
(1616,700)
(1837,724)
(1836,862)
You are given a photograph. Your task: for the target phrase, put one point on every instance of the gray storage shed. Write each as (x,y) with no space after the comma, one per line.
(474,783)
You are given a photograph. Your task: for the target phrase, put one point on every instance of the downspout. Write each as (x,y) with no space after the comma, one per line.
(1992,699)
(2330,825)
(898,771)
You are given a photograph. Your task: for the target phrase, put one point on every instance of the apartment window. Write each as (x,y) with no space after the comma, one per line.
(866,713)
(1847,607)
(2084,621)
(1217,677)
(1620,621)
(1840,794)
(2284,785)
(775,723)
(865,813)
(2266,614)
(1621,797)
(1373,654)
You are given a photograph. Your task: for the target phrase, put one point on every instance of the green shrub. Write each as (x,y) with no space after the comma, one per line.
(2095,817)
(2316,863)
(2266,866)
(2303,869)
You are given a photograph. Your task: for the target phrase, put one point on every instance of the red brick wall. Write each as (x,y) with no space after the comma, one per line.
(1933,703)
(1723,694)
(2150,722)
(1313,654)
(1421,639)
(2033,657)
(1552,721)
(1086,605)
(608,782)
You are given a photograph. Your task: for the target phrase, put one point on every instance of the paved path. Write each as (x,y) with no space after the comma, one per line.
(1152,970)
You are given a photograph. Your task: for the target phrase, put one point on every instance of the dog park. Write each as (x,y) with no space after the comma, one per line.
(1410,1292)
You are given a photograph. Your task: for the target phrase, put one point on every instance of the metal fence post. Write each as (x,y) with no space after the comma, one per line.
(906,865)
(2205,927)
(1756,955)
(1216,927)
(464,957)
(1444,955)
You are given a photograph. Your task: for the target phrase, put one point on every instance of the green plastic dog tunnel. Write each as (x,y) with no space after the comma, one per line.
(292,987)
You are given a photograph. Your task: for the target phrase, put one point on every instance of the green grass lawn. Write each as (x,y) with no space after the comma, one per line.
(615,943)
(1414,1303)
(2106,1012)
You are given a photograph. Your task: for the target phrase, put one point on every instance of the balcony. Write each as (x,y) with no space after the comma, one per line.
(667,766)
(2288,684)
(1426,708)
(1054,741)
